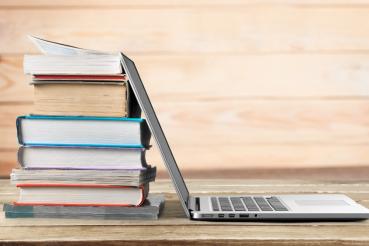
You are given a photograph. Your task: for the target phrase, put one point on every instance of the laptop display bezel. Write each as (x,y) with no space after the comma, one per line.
(156,130)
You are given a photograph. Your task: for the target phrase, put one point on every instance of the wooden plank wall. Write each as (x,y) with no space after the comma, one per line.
(236,84)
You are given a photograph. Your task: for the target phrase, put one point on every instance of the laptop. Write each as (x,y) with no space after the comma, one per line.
(243,207)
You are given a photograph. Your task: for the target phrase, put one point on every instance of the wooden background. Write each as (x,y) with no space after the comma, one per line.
(236,84)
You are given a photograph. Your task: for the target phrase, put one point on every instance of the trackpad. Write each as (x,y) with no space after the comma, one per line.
(320,203)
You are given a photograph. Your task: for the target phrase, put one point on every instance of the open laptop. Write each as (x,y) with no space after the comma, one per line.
(241,207)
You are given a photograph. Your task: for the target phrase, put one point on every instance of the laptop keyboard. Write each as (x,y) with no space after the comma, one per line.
(247,203)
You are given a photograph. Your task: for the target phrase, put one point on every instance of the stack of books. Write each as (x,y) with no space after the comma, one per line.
(84,143)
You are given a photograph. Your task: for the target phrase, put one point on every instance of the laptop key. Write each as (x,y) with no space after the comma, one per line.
(237,204)
(263,204)
(225,204)
(276,204)
(250,204)
(214,203)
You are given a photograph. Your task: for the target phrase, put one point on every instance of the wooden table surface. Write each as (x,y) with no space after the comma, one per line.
(174,229)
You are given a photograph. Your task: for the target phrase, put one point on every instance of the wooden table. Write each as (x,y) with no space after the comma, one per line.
(174,229)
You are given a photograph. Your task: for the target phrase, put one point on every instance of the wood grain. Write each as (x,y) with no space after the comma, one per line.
(174,3)
(236,158)
(264,133)
(358,190)
(173,228)
(236,84)
(203,78)
(288,234)
(252,29)
(253,122)
(348,173)
(8,160)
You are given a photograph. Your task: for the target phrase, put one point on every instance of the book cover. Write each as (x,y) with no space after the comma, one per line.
(83,131)
(81,157)
(150,209)
(123,177)
(81,195)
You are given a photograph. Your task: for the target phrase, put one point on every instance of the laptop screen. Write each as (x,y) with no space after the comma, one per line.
(156,130)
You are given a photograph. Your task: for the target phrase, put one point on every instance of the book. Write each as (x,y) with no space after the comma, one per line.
(58,78)
(125,177)
(83,98)
(75,82)
(150,209)
(88,64)
(83,146)
(84,95)
(53,48)
(83,131)
(81,195)
(43,157)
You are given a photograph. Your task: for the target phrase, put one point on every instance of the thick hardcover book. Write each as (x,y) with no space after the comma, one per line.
(125,177)
(83,131)
(44,157)
(150,209)
(84,95)
(83,98)
(81,195)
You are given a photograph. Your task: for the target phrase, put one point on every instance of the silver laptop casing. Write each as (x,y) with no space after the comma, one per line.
(300,207)
(305,207)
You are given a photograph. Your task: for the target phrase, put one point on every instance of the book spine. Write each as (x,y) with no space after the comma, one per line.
(20,156)
(19,129)
(133,108)
(145,134)
(144,216)
(14,215)
(143,158)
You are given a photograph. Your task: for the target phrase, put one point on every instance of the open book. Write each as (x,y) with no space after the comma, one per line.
(57,60)
(53,48)
(72,81)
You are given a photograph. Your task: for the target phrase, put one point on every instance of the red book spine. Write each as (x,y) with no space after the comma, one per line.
(121,77)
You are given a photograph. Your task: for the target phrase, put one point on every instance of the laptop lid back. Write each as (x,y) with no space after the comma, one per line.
(156,130)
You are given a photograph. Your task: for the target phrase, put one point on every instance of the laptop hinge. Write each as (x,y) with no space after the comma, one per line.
(194,203)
